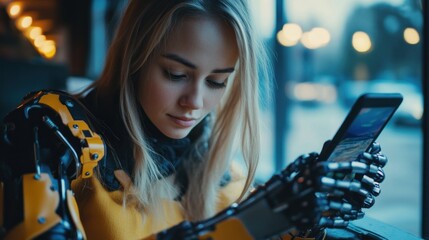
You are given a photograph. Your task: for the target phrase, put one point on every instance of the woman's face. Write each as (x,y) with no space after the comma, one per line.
(186,80)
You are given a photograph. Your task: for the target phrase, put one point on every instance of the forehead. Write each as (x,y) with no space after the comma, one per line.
(203,38)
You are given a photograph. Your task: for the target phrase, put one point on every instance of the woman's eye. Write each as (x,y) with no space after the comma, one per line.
(173,76)
(215,84)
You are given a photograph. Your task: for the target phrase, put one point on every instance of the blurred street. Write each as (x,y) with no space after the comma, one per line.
(400,201)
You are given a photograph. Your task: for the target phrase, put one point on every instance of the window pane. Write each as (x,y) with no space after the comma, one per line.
(338,50)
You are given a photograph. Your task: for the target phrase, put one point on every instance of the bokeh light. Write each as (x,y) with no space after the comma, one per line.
(361,42)
(411,36)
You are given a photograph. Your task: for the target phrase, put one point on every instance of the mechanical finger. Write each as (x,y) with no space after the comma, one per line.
(372,186)
(377,159)
(353,215)
(340,170)
(376,173)
(340,219)
(328,204)
(375,148)
(335,187)
(353,191)
(329,222)
(338,207)
(339,214)
(360,201)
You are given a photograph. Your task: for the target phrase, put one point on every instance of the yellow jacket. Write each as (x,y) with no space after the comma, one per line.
(104,216)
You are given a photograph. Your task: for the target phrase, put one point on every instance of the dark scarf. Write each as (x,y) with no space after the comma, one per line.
(168,152)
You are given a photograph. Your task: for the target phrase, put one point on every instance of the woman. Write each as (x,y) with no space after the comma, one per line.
(178,90)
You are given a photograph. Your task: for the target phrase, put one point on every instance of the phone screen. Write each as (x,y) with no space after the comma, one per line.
(363,130)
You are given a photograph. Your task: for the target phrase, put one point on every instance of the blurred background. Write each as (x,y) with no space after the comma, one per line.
(325,53)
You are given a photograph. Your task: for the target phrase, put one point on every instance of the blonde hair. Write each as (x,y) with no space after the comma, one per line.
(144,27)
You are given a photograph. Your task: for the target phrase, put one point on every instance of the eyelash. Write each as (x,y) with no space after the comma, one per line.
(174,77)
(216,85)
(211,83)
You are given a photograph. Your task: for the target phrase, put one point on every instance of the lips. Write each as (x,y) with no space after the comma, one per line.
(183,122)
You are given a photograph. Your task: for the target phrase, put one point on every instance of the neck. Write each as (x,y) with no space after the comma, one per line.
(169,152)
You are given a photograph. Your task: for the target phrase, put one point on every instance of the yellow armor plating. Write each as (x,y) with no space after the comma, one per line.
(40,203)
(95,150)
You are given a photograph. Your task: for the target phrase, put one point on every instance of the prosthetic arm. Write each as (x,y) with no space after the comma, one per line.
(45,143)
(306,197)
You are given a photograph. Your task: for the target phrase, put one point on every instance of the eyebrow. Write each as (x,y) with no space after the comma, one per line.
(185,62)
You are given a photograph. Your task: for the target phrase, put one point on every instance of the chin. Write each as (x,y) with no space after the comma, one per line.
(177,134)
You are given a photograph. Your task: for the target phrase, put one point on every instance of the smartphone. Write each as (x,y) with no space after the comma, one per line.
(364,123)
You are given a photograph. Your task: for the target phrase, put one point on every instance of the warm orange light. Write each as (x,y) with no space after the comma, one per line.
(48,50)
(14,9)
(35,32)
(24,22)
(38,42)
(45,47)
(49,43)
(32,32)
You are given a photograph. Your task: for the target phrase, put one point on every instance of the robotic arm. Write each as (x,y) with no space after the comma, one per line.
(39,142)
(49,131)
(307,197)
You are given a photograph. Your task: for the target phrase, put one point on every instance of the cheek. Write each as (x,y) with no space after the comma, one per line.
(154,94)
(214,99)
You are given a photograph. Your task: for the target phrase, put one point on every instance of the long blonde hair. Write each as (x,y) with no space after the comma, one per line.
(144,27)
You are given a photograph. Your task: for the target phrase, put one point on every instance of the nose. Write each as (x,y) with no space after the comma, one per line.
(193,97)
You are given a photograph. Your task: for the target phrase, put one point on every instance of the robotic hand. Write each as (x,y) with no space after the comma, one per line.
(306,197)
(341,189)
